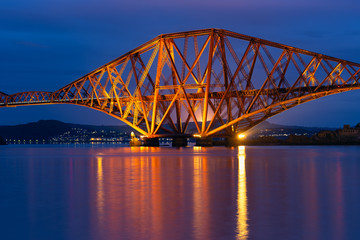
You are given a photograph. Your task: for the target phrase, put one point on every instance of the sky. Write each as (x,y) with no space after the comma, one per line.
(46,44)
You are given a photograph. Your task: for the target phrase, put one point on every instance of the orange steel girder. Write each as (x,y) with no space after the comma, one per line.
(207,82)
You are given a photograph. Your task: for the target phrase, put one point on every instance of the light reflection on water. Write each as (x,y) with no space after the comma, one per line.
(242,215)
(179,193)
(100,190)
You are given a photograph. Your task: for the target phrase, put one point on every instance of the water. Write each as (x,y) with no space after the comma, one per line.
(89,192)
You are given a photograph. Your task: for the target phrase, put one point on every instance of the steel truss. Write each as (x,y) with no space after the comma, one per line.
(208,82)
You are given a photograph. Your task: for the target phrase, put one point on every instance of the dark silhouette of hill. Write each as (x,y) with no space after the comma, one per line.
(45,129)
(40,129)
(276,131)
(2,142)
(268,125)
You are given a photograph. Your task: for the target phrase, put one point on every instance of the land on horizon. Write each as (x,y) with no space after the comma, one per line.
(53,131)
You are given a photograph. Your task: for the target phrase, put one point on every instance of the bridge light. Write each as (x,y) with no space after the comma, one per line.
(241,136)
(197,135)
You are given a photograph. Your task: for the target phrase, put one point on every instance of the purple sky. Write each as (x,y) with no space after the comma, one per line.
(46,44)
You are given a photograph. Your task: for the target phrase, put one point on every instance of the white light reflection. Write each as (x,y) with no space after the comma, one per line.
(242,215)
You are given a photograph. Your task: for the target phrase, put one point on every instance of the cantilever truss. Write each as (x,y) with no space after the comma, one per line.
(208,82)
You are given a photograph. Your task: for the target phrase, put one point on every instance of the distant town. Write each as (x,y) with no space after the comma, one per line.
(56,132)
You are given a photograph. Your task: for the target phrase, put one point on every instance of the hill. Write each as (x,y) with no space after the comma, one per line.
(56,131)
(52,130)
(2,142)
(41,129)
(269,129)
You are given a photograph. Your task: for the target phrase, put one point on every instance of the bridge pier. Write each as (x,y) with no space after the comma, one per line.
(233,140)
(179,141)
(151,142)
(204,142)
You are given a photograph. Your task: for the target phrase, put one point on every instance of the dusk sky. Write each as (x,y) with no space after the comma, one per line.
(47,44)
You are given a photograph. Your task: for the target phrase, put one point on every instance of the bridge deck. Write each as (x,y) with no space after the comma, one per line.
(9,101)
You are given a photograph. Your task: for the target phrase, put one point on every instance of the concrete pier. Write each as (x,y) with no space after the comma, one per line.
(233,141)
(204,142)
(151,142)
(179,142)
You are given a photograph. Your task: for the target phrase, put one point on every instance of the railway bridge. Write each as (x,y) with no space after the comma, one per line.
(203,84)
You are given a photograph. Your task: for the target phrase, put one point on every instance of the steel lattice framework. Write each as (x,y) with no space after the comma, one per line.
(208,82)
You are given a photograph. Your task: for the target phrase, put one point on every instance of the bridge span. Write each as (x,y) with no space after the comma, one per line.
(202,83)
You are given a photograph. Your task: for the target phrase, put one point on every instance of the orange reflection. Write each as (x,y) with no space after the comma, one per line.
(242,214)
(100,189)
(151,195)
(311,201)
(338,203)
(201,199)
(197,149)
(145,149)
(131,187)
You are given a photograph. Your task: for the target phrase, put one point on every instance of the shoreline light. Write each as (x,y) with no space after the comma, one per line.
(241,136)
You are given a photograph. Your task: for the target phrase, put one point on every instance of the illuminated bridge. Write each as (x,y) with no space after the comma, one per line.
(203,83)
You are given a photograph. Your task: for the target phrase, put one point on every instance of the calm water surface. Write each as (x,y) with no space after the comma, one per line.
(87,192)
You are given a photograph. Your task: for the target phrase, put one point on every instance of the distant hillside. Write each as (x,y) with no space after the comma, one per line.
(48,129)
(283,131)
(2,142)
(40,129)
(269,125)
